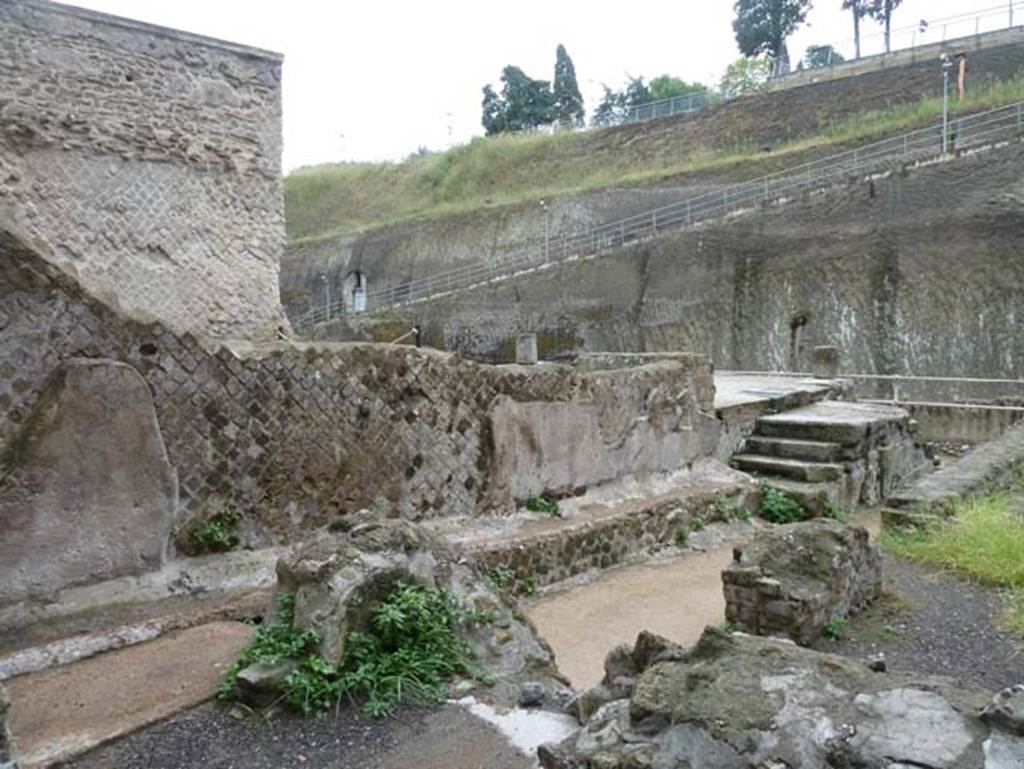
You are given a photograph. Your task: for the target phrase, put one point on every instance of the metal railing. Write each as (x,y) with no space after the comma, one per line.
(994,18)
(976,130)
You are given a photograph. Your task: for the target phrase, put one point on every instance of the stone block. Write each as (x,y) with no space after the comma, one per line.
(89,493)
(793,579)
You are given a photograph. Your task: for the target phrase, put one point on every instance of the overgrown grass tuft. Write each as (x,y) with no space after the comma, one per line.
(328,200)
(983,541)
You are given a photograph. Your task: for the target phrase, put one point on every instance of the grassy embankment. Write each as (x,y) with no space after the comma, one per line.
(983,541)
(327,200)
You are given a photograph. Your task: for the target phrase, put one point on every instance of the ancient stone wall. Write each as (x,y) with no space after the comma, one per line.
(916,272)
(148,161)
(795,579)
(294,437)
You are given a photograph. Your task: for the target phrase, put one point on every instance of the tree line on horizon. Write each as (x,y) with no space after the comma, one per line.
(761,28)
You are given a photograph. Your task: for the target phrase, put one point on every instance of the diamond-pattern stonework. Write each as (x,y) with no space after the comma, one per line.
(148,162)
(292,436)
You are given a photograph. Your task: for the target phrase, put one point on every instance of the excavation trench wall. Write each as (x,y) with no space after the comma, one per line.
(914,272)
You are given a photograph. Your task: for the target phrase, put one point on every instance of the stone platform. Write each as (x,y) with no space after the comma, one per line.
(605,527)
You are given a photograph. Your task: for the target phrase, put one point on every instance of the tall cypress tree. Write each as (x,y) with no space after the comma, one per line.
(568,108)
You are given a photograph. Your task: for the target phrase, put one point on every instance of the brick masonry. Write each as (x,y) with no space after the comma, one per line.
(147,161)
(293,437)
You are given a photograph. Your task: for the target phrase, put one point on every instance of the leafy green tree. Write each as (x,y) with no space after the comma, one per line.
(881,11)
(666,86)
(762,26)
(493,112)
(818,56)
(745,75)
(859,9)
(609,109)
(523,103)
(568,102)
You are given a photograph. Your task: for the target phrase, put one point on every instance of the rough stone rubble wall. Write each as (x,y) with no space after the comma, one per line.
(292,437)
(148,161)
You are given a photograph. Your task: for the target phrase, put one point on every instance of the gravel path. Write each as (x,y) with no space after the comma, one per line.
(209,736)
(937,623)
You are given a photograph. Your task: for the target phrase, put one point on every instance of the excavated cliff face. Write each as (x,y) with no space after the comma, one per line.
(737,701)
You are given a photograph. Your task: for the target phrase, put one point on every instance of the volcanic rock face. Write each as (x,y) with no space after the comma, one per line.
(738,701)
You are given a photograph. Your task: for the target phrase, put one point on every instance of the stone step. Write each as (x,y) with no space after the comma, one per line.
(813,497)
(831,422)
(63,712)
(790,448)
(797,469)
(599,530)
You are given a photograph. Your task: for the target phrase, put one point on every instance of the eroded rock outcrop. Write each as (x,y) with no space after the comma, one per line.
(793,580)
(735,701)
(339,577)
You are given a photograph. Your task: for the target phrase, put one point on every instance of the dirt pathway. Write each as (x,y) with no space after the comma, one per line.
(674,598)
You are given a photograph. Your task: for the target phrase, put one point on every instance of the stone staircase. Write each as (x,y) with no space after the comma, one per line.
(833,453)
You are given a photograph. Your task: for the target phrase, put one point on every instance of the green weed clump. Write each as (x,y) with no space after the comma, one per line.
(779,507)
(541,504)
(217,535)
(411,648)
(983,541)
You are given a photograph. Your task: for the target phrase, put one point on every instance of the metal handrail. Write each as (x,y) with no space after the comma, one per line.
(869,159)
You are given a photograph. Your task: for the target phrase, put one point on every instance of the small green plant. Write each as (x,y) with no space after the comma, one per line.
(217,535)
(683,539)
(698,524)
(832,511)
(501,577)
(835,628)
(541,504)
(729,627)
(274,642)
(778,507)
(528,586)
(410,648)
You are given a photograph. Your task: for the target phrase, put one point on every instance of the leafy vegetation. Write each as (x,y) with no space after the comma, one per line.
(541,504)
(411,648)
(762,26)
(324,201)
(832,511)
(983,540)
(727,509)
(835,628)
(216,535)
(683,539)
(779,507)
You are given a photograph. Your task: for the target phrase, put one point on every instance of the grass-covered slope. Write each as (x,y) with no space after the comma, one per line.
(327,200)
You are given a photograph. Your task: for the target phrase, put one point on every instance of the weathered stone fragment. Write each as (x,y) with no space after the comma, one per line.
(794,579)
(735,701)
(1007,709)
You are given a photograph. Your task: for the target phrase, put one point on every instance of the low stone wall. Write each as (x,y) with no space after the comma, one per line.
(987,467)
(294,436)
(956,423)
(794,579)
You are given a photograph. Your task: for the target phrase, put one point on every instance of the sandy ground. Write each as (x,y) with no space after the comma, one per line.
(674,598)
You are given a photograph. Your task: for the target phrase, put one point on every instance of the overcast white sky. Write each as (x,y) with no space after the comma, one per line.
(374,80)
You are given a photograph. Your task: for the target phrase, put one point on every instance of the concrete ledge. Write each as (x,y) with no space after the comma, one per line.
(894,519)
